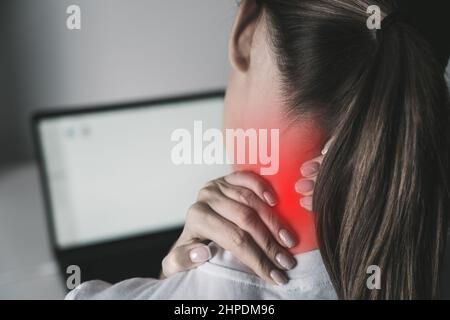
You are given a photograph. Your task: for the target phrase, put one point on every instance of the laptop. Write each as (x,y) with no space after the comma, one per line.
(115,199)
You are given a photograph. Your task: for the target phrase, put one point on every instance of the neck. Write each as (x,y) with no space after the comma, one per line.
(297,145)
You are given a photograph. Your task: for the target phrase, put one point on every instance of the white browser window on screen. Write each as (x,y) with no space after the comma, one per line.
(110,173)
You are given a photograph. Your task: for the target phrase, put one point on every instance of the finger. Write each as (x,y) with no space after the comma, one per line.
(248,220)
(311,168)
(254,182)
(271,221)
(185,257)
(232,238)
(309,171)
(307,203)
(306,185)
(327,146)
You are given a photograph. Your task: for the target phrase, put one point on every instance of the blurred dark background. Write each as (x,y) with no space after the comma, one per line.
(125,51)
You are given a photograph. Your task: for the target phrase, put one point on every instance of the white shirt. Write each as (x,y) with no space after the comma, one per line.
(222,278)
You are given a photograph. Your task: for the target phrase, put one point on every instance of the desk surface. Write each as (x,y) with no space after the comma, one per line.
(27,268)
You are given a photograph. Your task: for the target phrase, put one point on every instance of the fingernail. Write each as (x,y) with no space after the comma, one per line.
(285,261)
(304,186)
(278,277)
(270,198)
(200,254)
(310,169)
(306,202)
(327,146)
(287,238)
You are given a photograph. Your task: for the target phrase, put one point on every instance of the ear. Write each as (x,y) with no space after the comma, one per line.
(242,34)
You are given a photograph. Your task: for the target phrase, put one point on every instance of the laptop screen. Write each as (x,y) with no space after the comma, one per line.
(109,174)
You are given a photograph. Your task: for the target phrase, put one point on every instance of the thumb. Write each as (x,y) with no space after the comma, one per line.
(185,257)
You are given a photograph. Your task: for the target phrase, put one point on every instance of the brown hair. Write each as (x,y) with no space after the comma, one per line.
(383,192)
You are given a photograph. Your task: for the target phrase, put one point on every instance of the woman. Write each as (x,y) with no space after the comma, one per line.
(313,69)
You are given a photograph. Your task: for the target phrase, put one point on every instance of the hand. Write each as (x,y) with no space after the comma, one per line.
(236,213)
(310,171)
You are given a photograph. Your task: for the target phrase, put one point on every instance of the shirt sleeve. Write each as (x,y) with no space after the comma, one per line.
(137,288)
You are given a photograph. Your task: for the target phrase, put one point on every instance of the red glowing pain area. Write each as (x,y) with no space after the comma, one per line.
(298,143)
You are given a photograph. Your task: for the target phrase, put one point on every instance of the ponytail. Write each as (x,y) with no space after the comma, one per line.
(382,195)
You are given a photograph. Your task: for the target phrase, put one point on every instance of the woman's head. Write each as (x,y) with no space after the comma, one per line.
(384,190)
(253,92)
